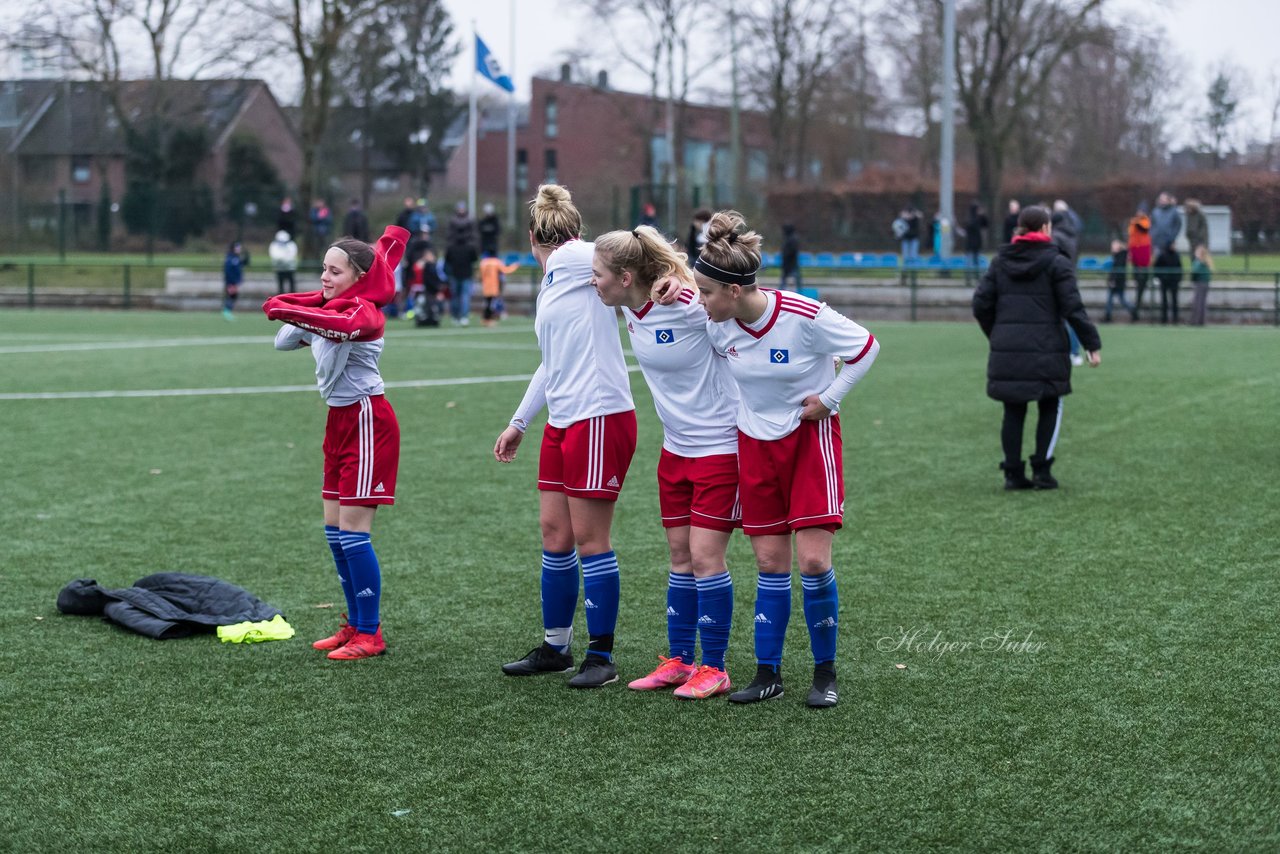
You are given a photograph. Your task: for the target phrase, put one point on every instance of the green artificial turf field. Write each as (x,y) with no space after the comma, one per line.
(1091,669)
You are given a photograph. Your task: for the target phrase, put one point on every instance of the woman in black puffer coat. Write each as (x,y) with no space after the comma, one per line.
(1021,303)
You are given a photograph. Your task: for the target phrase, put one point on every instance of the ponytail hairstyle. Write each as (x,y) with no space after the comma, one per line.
(359,253)
(645,253)
(1031,218)
(731,255)
(553,219)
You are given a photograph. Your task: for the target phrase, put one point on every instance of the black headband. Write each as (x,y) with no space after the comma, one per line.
(724,277)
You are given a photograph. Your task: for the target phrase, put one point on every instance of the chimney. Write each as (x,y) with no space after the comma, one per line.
(564,73)
(602,79)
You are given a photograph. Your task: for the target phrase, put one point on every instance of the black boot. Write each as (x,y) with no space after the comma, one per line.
(1041,478)
(1015,475)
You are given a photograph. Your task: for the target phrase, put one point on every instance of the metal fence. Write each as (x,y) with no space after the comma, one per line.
(871,287)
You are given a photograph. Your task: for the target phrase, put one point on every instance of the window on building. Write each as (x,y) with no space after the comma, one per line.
(81,170)
(38,169)
(522,170)
(550,170)
(551,118)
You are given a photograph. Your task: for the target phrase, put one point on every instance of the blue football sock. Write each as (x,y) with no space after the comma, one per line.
(773,609)
(559,597)
(682,616)
(366,579)
(822,614)
(600,592)
(344,575)
(715,614)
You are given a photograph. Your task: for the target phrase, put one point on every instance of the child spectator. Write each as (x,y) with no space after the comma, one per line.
(492,277)
(1116,279)
(1201,272)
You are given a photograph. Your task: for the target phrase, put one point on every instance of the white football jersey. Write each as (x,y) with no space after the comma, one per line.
(696,398)
(784,357)
(586,375)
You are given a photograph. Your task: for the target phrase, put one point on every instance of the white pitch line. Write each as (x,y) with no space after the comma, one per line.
(233,390)
(81,346)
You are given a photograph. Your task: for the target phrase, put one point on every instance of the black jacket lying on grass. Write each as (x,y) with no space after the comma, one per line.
(166,605)
(1027,292)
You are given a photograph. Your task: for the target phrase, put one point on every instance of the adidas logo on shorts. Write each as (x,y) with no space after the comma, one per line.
(613,481)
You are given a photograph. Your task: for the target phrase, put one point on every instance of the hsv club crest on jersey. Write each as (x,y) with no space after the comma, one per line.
(696,397)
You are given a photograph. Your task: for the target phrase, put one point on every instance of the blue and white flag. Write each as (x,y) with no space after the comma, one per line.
(488,66)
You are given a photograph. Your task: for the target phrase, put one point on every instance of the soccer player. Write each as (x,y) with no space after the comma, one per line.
(780,348)
(587,444)
(343,323)
(697,402)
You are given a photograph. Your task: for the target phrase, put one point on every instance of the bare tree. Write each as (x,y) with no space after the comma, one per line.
(1222,115)
(313,31)
(1006,54)
(1103,111)
(798,42)
(913,39)
(654,37)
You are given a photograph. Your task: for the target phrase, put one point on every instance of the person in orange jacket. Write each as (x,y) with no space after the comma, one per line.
(492,278)
(1139,256)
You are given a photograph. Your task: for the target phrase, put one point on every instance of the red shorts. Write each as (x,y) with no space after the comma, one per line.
(361,453)
(588,459)
(793,482)
(699,491)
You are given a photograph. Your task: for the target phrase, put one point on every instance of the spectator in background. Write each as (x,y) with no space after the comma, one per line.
(1166,223)
(1197,225)
(232,277)
(790,260)
(1011,220)
(490,228)
(284,260)
(1116,279)
(321,222)
(698,234)
(974,229)
(355,223)
(409,218)
(287,218)
(649,216)
(460,258)
(1168,271)
(1201,272)
(1139,256)
(1065,235)
(428,218)
(910,233)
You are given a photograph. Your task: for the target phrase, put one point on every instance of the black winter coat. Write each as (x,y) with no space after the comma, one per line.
(1021,303)
(167,604)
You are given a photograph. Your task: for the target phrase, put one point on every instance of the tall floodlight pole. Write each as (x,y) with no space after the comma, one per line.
(471,126)
(735,131)
(511,130)
(947,161)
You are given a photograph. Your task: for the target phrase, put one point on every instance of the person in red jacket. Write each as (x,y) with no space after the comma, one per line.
(342,324)
(1139,256)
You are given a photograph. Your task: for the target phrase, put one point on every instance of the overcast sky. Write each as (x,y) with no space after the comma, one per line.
(1202,34)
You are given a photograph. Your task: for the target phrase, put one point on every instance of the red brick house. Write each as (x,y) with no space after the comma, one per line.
(65,138)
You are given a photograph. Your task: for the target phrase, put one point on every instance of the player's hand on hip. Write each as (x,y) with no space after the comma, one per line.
(504,451)
(813,409)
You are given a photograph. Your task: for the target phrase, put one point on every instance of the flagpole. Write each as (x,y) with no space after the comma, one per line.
(471,146)
(511,130)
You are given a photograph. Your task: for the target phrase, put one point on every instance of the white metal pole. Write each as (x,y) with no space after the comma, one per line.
(511,128)
(946,168)
(471,138)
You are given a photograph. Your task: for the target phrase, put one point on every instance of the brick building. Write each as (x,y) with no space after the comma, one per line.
(64,138)
(609,148)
